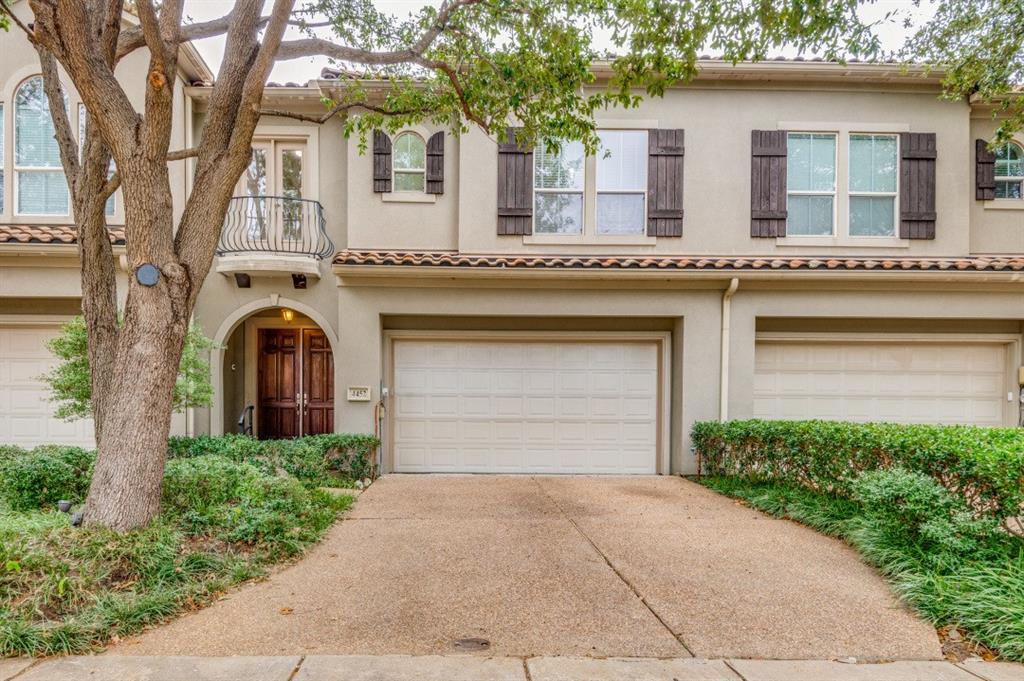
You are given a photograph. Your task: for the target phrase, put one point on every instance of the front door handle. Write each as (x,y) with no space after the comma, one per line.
(298,401)
(305,403)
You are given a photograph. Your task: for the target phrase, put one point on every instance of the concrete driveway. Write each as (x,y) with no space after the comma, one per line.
(591,566)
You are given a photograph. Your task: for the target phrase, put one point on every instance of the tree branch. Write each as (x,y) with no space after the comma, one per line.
(338,108)
(460,92)
(69,150)
(6,9)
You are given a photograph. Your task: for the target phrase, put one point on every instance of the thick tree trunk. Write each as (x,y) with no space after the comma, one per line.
(127,482)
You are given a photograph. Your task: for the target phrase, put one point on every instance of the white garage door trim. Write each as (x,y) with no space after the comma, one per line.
(662,340)
(12,428)
(1011,342)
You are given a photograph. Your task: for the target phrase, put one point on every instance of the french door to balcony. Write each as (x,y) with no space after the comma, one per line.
(275,213)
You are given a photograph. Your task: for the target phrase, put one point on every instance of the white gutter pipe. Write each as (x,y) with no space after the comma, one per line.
(723,390)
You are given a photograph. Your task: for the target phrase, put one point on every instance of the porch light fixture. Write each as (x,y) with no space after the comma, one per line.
(287,315)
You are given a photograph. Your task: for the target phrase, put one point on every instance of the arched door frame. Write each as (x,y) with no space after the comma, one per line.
(228,327)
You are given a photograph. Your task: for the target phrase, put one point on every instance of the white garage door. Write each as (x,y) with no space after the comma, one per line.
(525,407)
(26,417)
(897,382)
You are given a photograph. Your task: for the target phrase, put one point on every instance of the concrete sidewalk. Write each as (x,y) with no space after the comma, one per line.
(474,668)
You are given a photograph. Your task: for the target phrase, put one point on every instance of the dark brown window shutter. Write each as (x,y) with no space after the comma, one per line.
(984,171)
(435,163)
(768,149)
(917,185)
(381,162)
(665,182)
(515,188)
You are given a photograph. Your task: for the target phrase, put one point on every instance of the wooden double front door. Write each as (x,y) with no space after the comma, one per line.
(295,378)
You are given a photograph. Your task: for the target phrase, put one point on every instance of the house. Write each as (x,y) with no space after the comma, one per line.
(787,239)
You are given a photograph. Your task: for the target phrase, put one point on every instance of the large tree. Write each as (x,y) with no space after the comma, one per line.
(457,63)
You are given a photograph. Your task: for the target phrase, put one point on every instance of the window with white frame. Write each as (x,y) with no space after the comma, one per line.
(811,184)
(622,182)
(872,185)
(1009,171)
(40,187)
(558,185)
(110,205)
(409,163)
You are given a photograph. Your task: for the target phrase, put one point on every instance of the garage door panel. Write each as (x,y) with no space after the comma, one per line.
(26,414)
(943,382)
(547,407)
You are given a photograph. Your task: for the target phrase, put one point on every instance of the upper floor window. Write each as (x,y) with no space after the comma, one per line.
(811,184)
(410,163)
(872,185)
(622,182)
(558,184)
(1009,171)
(814,172)
(40,187)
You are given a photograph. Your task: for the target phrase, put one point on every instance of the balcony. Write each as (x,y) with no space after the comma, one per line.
(273,235)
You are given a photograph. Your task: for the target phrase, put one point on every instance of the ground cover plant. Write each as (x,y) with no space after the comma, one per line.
(232,507)
(935,508)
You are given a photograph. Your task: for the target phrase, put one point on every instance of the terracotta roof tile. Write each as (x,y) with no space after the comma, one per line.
(1003,263)
(49,234)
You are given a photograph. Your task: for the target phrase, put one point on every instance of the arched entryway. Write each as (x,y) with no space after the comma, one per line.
(274,373)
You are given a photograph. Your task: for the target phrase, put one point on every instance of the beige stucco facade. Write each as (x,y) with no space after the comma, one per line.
(710,299)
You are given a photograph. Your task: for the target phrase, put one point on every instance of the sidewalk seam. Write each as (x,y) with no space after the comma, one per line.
(735,671)
(960,665)
(298,666)
(526,670)
(614,569)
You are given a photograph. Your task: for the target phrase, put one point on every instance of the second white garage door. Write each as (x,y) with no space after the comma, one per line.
(26,416)
(901,382)
(525,407)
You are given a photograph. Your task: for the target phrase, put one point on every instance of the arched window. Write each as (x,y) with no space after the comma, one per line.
(1009,171)
(410,163)
(39,176)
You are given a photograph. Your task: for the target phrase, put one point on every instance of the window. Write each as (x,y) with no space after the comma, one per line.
(1009,171)
(271,187)
(109,208)
(622,182)
(558,182)
(1,158)
(409,159)
(39,177)
(872,185)
(811,184)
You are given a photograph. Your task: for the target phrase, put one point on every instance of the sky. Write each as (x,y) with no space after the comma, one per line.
(891,32)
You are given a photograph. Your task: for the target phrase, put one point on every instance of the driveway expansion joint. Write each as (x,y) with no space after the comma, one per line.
(611,566)
(298,666)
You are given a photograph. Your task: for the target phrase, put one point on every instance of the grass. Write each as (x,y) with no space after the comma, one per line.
(67,590)
(961,574)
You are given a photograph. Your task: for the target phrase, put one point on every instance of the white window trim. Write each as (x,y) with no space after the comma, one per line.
(409,196)
(895,195)
(841,234)
(589,235)
(4,202)
(17,170)
(295,134)
(1004,203)
(811,192)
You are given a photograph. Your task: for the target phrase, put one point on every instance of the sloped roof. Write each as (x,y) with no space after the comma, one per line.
(50,234)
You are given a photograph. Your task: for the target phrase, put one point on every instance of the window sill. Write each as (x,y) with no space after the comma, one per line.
(590,239)
(1004,204)
(408,197)
(844,242)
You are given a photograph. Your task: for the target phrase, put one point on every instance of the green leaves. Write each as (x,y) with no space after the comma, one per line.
(980,45)
(70,381)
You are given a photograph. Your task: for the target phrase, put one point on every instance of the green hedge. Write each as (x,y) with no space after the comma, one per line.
(44,476)
(315,459)
(982,466)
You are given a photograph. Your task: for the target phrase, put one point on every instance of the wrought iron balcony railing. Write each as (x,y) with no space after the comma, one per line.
(275,224)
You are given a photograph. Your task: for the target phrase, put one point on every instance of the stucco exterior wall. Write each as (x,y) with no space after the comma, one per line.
(716,191)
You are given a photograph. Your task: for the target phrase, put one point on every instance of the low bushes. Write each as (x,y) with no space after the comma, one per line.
(315,459)
(982,466)
(70,590)
(931,506)
(44,476)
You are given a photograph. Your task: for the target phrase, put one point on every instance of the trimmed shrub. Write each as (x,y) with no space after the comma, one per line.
(982,467)
(44,476)
(315,459)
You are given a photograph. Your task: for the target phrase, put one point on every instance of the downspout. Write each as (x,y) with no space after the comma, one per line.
(723,390)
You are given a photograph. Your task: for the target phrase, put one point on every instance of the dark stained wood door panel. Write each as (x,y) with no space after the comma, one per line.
(295,383)
(317,383)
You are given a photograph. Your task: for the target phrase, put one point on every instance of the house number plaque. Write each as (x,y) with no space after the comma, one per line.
(359,393)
